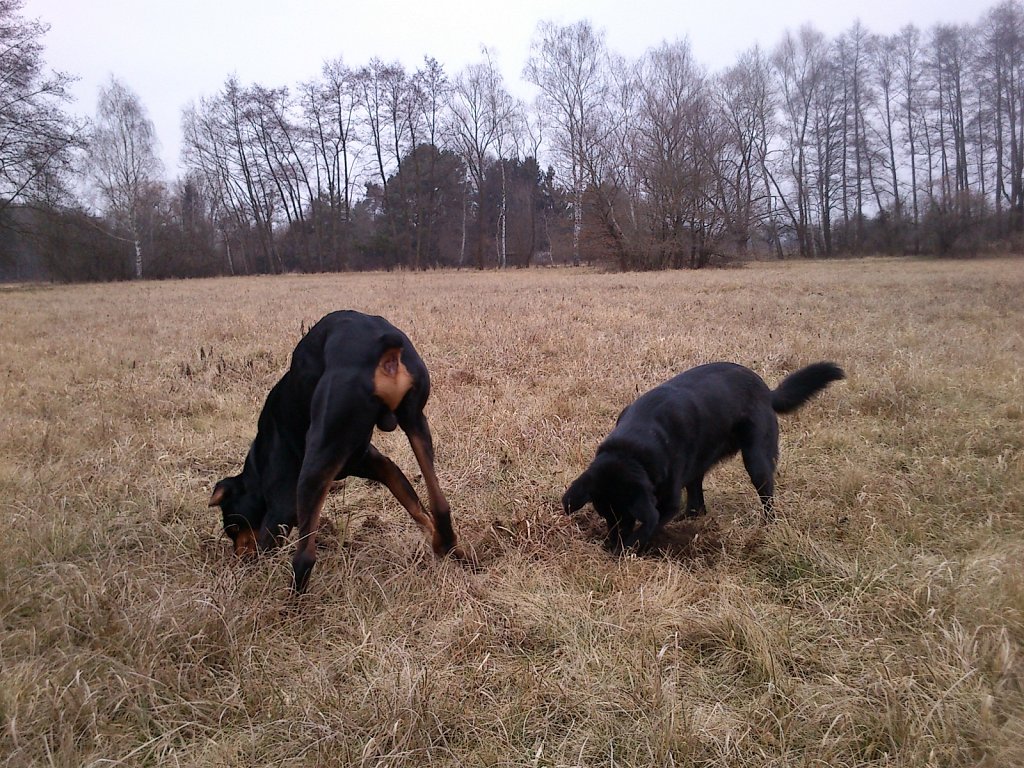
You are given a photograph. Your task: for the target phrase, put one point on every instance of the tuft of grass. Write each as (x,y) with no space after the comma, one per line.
(879,621)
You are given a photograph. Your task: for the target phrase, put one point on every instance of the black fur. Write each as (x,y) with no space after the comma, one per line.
(670,437)
(316,426)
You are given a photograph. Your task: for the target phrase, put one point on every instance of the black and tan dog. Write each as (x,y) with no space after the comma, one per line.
(349,373)
(670,437)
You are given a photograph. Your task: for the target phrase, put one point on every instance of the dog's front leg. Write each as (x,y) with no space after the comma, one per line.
(314,482)
(618,527)
(646,514)
(695,498)
(618,530)
(280,518)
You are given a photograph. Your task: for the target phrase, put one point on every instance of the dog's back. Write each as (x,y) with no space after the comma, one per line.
(701,408)
(712,399)
(346,343)
(348,340)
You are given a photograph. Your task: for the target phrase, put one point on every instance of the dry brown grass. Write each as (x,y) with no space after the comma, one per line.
(880,621)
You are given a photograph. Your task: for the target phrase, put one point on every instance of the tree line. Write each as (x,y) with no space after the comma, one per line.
(910,143)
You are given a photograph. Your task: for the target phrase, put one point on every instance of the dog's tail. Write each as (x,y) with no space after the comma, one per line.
(388,340)
(800,386)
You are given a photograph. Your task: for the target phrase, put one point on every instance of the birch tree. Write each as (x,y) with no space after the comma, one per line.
(123,159)
(480,111)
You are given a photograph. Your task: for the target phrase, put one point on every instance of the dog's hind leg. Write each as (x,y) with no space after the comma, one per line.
(376,466)
(759,460)
(759,445)
(418,432)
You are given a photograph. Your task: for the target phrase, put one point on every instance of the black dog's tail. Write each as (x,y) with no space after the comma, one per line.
(800,386)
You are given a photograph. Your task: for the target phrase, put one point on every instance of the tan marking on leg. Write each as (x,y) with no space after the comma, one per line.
(444,538)
(391,379)
(396,482)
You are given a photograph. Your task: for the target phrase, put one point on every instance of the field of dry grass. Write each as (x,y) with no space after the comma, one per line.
(879,621)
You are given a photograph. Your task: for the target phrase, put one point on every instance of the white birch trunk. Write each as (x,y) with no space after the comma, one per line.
(503,255)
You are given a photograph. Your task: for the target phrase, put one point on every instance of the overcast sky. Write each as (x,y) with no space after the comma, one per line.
(171,53)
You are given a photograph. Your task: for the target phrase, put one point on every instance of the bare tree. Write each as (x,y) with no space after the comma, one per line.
(221,142)
(274,128)
(426,94)
(570,67)
(330,106)
(205,153)
(471,133)
(480,113)
(675,156)
(377,81)
(123,159)
(950,46)
(909,69)
(508,113)
(36,136)
(747,102)
(1002,72)
(884,53)
(857,172)
(248,171)
(801,64)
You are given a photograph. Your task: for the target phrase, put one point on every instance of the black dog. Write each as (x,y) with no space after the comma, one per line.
(671,436)
(349,373)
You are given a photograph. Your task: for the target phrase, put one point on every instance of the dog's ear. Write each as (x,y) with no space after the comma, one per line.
(223,490)
(579,493)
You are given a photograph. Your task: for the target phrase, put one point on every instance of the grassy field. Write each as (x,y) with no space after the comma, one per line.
(879,621)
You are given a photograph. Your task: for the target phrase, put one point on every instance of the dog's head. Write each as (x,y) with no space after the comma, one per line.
(242,513)
(618,487)
(610,481)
